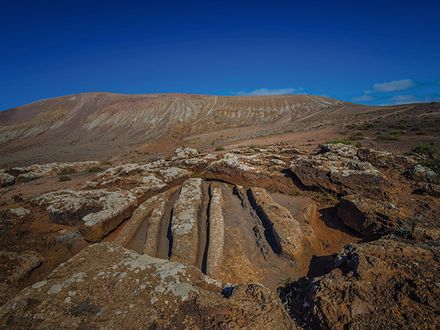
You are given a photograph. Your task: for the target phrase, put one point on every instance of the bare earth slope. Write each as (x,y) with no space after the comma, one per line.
(98,125)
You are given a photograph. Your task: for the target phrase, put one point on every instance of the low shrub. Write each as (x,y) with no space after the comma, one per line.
(391,136)
(424,149)
(64,178)
(94,169)
(219,148)
(67,170)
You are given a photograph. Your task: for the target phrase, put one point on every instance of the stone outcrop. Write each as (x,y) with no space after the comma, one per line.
(95,212)
(141,179)
(422,173)
(36,171)
(132,225)
(108,286)
(184,222)
(428,189)
(185,152)
(6,179)
(336,167)
(370,218)
(385,159)
(379,284)
(283,231)
(154,222)
(15,266)
(287,230)
(14,212)
(216,229)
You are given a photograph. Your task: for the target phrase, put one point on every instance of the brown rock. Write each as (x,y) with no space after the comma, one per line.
(15,266)
(184,222)
(336,167)
(384,159)
(382,284)
(368,217)
(285,233)
(216,229)
(6,179)
(108,286)
(94,212)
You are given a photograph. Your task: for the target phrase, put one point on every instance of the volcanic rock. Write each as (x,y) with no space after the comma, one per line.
(15,266)
(216,229)
(285,232)
(95,212)
(108,286)
(184,152)
(368,217)
(337,168)
(422,173)
(378,285)
(184,222)
(6,179)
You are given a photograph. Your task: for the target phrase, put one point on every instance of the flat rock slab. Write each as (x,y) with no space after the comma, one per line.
(337,168)
(184,222)
(107,286)
(284,232)
(36,171)
(152,176)
(94,212)
(132,225)
(154,223)
(216,229)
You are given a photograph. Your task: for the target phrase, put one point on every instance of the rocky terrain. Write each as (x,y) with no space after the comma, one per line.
(341,234)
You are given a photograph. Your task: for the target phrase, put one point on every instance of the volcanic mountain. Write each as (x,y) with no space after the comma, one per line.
(102,125)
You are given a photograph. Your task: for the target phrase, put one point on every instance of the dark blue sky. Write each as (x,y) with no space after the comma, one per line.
(375,52)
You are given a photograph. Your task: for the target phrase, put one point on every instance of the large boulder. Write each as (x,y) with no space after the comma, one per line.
(422,173)
(381,284)
(246,166)
(284,232)
(370,218)
(94,212)
(385,159)
(185,152)
(107,286)
(6,179)
(336,167)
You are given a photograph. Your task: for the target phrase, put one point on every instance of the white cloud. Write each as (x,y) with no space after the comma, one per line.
(403,98)
(393,86)
(266,91)
(363,98)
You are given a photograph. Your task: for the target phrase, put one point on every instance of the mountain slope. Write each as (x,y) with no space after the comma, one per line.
(102,123)
(94,126)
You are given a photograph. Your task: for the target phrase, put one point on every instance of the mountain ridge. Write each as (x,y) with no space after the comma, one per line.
(98,125)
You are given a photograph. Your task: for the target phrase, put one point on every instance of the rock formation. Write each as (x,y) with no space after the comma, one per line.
(253,237)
